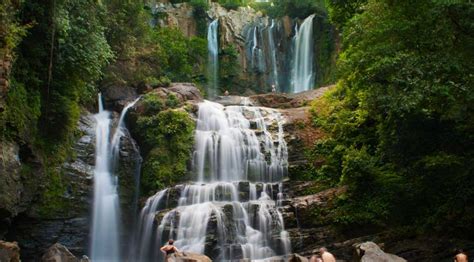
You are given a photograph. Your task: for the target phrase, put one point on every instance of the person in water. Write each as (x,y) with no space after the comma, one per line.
(169,249)
(461,256)
(326,256)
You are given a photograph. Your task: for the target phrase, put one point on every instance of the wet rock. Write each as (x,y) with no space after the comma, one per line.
(9,251)
(188,257)
(371,252)
(10,183)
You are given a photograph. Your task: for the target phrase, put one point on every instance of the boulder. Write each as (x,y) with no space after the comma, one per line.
(188,257)
(117,96)
(371,252)
(185,91)
(58,253)
(9,251)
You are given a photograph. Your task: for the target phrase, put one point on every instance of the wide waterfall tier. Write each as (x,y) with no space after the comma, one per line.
(226,221)
(237,143)
(231,211)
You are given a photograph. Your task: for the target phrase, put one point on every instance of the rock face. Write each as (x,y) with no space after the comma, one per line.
(179,16)
(232,23)
(10,183)
(9,252)
(371,252)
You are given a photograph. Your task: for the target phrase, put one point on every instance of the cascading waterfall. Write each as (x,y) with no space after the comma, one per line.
(302,70)
(106,213)
(231,211)
(213,60)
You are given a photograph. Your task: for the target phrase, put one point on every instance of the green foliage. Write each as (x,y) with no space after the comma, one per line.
(11,31)
(170,136)
(61,58)
(342,11)
(231,4)
(229,68)
(177,54)
(163,81)
(167,133)
(400,121)
(292,8)
(200,7)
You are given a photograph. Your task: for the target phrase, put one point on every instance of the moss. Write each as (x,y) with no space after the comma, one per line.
(52,201)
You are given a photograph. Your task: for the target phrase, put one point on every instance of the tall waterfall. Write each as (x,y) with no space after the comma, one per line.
(273,56)
(213,60)
(302,71)
(231,210)
(106,214)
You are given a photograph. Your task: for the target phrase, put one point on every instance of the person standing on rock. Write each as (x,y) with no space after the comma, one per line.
(326,256)
(169,249)
(461,256)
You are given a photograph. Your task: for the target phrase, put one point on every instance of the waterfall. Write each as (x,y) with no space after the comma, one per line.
(231,210)
(273,56)
(106,214)
(213,60)
(302,71)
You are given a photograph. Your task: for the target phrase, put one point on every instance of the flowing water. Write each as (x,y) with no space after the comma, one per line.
(230,211)
(302,70)
(213,60)
(273,56)
(106,213)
